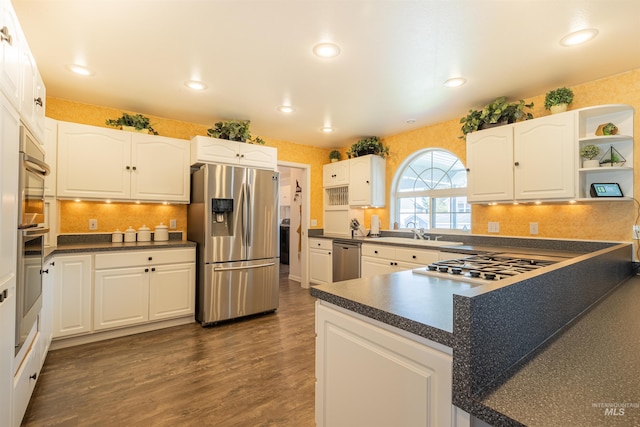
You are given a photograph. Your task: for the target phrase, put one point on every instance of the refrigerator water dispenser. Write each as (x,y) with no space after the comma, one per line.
(222,217)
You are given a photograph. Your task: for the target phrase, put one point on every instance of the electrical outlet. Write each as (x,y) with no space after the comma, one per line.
(494,227)
(93,224)
(533,228)
(636,231)
(172,224)
(314,222)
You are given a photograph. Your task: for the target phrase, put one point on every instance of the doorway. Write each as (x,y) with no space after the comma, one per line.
(295,206)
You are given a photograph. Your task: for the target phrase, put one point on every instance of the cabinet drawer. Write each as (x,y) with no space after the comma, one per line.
(379,251)
(321,244)
(135,258)
(416,256)
(25,381)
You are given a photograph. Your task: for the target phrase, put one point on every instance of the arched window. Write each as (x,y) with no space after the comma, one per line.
(430,191)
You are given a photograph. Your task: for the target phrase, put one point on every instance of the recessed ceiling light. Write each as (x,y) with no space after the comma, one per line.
(327,129)
(326,50)
(455,82)
(195,85)
(285,109)
(79,69)
(578,37)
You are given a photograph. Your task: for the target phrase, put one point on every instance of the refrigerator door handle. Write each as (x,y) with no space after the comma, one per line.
(246,267)
(243,219)
(249,222)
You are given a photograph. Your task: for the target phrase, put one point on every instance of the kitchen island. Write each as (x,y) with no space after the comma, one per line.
(506,340)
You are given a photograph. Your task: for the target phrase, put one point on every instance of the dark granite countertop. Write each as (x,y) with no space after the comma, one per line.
(69,248)
(419,304)
(592,366)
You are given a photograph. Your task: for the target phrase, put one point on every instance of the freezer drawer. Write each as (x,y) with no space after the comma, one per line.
(236,289)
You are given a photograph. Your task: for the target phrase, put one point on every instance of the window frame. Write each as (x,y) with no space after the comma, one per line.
(394,196)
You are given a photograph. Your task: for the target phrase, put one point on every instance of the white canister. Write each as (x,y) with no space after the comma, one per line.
(144,234)
(129,235)
(116,237)
(161,233)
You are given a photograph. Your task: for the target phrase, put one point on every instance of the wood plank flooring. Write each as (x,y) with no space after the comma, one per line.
(255,372)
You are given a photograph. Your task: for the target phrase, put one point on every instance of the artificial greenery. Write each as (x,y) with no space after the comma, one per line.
(609,129)
(558,96)
(498,111)
(234,130)
(589,151)
(335,154)
(137,121)
(368,145)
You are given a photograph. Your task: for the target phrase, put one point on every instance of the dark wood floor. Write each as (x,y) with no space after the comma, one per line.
(257,372)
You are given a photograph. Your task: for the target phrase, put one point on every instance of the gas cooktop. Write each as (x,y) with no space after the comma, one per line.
(487,268)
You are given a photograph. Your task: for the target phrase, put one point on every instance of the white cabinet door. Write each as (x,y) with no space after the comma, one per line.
(9,136)
(32,96)
(121,297)
(370,376)
(171,291)
(72,295)
(46,313)
(7,340)
(490,165)
(93,162)
(50,155)
(320,266)
(545,157)
(336,174)
(258,156)
(160,168)
(10,45)
(370,267)
(367,181)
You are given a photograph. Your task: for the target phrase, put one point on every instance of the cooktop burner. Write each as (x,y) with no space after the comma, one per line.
(485,268)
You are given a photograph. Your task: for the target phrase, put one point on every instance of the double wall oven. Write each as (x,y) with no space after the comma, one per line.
(32,170)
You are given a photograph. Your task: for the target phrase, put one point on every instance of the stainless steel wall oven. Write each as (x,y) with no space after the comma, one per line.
(31,231)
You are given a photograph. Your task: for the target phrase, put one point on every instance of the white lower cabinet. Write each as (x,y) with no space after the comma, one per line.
(370,374)
(134,287)
(385,259)
(320,261)
(72,295)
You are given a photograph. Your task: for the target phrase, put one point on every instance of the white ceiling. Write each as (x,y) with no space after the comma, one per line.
(257,55)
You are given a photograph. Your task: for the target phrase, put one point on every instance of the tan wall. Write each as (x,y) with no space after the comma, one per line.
(74,216)
(600,221)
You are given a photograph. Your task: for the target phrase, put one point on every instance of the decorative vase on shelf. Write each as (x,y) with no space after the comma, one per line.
(593,163)
(560,108)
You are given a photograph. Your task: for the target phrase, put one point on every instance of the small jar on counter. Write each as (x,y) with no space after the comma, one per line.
(129,235)
(116,236)
(144,234)
(161,233)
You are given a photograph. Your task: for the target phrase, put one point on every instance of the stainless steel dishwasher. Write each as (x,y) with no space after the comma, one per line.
(346,260)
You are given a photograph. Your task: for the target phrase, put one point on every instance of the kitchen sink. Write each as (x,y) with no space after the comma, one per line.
(410,241)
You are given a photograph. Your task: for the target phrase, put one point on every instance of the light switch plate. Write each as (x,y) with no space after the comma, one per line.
(172,224)
(314,222)
(93,224)
(533,228)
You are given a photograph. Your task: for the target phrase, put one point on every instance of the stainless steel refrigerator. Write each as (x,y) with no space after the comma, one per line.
(233,217)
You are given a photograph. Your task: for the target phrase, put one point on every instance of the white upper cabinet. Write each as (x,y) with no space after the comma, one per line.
(545,158)
(490,165)
(367,181)
(162,168)
(336,174)
(530,160)
(10,66)
(101,163)
(215,150)
(32,96)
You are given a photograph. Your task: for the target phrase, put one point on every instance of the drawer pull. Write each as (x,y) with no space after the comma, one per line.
(375,252)
(413,256)
(153,269)
(38,101)
(5,36)
(146,270)
(34,376)
(150,258)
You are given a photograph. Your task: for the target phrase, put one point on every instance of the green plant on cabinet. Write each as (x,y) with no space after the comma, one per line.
(137,121)
(558,96)
(495,113)
(368,145)
(234,130)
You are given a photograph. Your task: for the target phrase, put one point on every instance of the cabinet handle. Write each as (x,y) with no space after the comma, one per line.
(5,36)
(517,163)
(413,256)
(38,101)
(128,167)
(329,253)
(153,269)
(53,263)
(146,270)
(44,271)
(150,258)
(468,170)
(237,154)
(367,182)
(34,376)
(2,297)
(134,168)
(241,155)
(375,252)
